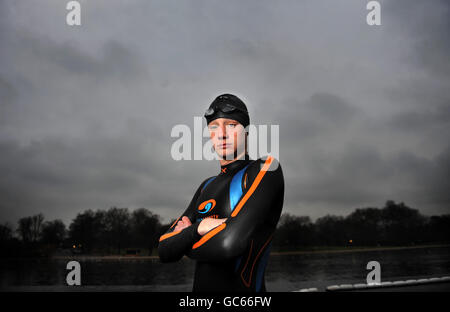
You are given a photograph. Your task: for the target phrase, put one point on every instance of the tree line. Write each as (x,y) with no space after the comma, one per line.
(395,224)
(104,232)
(119,231)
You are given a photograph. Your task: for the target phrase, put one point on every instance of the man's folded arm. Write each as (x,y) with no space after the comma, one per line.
(174,244)
(260,206)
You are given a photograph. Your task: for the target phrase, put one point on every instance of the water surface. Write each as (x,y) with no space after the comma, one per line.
(284,272)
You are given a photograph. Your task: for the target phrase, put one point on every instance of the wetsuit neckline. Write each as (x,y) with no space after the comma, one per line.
(235,165)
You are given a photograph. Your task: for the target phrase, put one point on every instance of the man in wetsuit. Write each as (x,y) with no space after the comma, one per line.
(229,224)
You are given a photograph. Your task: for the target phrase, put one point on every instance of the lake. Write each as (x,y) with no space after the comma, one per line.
(284,272)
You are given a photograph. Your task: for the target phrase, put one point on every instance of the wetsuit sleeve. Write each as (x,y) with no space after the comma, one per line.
(174,244)
(258,211)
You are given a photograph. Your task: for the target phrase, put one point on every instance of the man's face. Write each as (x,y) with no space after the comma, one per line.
(227,137)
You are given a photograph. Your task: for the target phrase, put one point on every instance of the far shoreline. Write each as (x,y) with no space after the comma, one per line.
(354,249)
(314,250)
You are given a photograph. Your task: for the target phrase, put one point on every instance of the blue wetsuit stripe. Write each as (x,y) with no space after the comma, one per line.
(261,267)
(207,182)
(236,188)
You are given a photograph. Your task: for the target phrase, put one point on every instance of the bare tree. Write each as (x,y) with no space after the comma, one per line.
(53,232)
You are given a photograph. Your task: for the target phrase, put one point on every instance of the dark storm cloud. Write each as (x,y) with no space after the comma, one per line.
(332,159)
(115,61)
(7,92)
(418,120)
(121,157)
(322,112)
(430,32)
(360,173)
(89,173)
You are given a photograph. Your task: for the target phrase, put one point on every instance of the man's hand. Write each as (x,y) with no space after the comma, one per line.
(208,224)
(182,224)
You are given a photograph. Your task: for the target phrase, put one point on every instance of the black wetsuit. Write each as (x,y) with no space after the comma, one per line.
(232,256)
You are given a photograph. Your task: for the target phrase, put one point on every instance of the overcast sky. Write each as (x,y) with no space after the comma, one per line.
(86,112)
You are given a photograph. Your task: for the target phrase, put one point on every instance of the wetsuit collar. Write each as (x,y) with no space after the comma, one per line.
(235,165)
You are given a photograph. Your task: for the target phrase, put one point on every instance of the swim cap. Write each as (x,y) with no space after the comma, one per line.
(228,106)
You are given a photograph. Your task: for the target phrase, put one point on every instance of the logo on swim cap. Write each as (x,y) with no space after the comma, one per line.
(207,206)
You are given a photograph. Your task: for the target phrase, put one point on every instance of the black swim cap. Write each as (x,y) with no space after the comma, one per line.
(228,106)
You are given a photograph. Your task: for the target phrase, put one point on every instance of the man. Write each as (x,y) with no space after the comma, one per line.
(228,226)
